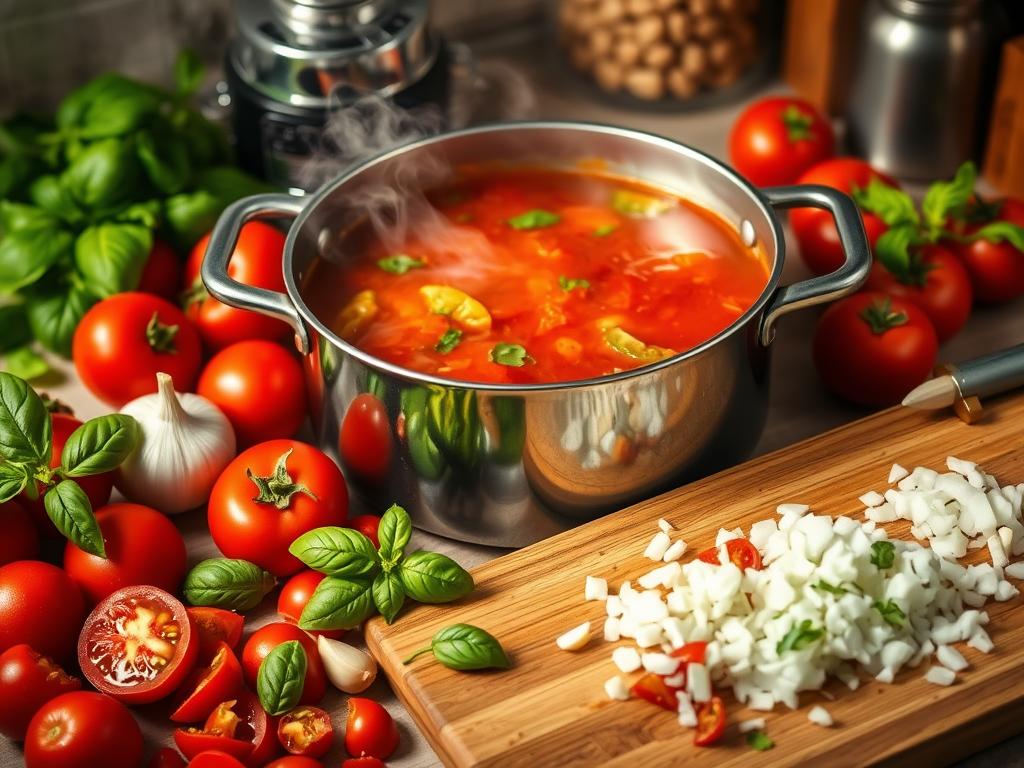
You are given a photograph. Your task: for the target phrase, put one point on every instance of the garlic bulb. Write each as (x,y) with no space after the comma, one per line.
(349,669)
(186,443)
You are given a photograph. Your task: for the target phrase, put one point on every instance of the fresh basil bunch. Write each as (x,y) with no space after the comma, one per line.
(26,449)
(362,580)
(83,195)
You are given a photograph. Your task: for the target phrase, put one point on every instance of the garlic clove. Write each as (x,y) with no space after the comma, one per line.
(349,669)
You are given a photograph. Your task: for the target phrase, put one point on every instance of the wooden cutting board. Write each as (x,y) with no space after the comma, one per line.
(550,708)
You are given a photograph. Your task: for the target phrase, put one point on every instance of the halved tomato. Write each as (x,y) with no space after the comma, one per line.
(710,722)
(207,687)
(214,626)
(137,645)
(234,727)
(652,688)
(306,731)
(742,554)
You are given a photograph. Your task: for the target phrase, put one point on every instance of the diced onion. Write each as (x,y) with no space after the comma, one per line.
(820,716)
(595,588)
(757,724)
(626,659)
(616,689)
(940,676)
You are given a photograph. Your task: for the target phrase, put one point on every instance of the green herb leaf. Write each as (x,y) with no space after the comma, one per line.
(336,551)
(164,157)
(891,205)
(54,314)
(25,363)
(400,263)
(883,554)
(535,219)
(281,677)
(52,197)
(1002,231)
(891,612)
(464,647)
(26,433)
(429,577)
(760,741)
(111,257)
(16,331)
(191,215)
(338,603)
(572,283)
(605,229)
(103,174)
(824,586)
(799,637)
(513,355)
(188,72)
(15,216)
(228,183)
(236,585)
(449,340)
(26,255)
(394,532)
(388,595)
(944,197)
(13,480)
(99,445)
(69,508)
(117,106)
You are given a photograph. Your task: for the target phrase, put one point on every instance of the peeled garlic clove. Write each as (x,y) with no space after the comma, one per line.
(349,669)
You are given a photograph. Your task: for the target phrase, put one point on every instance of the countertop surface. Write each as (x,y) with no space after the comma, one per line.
(799,405)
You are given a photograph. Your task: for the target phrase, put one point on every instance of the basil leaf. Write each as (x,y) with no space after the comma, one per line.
(449,340)
(943,197)
(883,554)
(893,248)
(16,172)
(13,479)
(891,612)
(237,585)
(52,197)
(281,677)
(429,577)
(400,263)
(394,532)
(104,173)
(26,432)
(891,205)
(572,283)
(99,445)
(336,551)
(149,214)
(25,363)
(111,257)
(111,105)
(760,741)
(69,508)
(188,73)
(1002,231)
(16,331)
(15,216)
(26,254)
(338,604)
(509,354)
(227,183)
(191,215)
(164,157)
(388,595)
(535,219)
(465,647)
(799,637)
(208,146)
(54,316)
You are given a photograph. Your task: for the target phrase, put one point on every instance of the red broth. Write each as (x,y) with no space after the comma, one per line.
(529,276)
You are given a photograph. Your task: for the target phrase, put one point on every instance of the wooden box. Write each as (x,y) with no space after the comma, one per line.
(820,46)
(1004,155)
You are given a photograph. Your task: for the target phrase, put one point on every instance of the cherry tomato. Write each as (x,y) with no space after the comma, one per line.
(137,645)
(27,681)
(872,349)
(166,758)
(143,547)
(297,761)
(361,762)
(259,386)
(996,269)
(654,689)
(80,729)
(306,731)
(370,730)
(741,552)
(124,341)
(213,758)
(778,138)
(815,229)
(690,653)
(161,275)
(270,495)
(710,722)
(266,638)
(367,525)
(255,261)
(207,687)
(294,596)
(214,626)
(39,605)
(365,440)
(20,539)
(936,282)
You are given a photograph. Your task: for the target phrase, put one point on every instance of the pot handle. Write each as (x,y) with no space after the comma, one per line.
(818,290)
(222,244)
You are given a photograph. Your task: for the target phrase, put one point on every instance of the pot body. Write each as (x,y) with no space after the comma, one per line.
(505,465)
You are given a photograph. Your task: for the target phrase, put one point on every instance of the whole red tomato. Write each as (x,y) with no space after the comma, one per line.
(256,261)
(871,348)
(166,758)
(259,386)
(776,139)
(27,681)
(39,605)
(213,758)
(996,269)
(362,762)
(370,729)
(935,281)
(143,547)
(214,626)
(270,495)
(161,275)
(294,596)
(815,229)
(295,761)
(81,729)
(368,525)
(20,540)
(267,638)
(124,341)
(365,440)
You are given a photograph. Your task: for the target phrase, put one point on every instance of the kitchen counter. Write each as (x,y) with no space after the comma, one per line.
(799,405)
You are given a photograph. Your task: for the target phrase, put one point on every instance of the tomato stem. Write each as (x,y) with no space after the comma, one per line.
(195,294)
(278,488)
(160,337)
(880,317)
(418,653)
(798,124)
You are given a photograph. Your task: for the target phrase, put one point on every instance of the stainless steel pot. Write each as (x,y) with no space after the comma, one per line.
(508,465)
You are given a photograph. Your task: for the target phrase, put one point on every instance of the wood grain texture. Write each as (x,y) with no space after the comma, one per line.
(550,708)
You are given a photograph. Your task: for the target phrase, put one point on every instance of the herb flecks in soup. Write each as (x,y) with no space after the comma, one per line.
(539,276)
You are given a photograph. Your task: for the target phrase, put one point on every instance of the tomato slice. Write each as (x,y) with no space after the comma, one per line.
(742,554)
(207,687)
(653,688)
(691,653)
(236,727)
(137,645)
(215,626)
(710,722)
(306,731)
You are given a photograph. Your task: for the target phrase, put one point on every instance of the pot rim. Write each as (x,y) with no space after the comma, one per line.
(328,189)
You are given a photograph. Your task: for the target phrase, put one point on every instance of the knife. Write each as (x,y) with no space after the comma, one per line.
(986,375)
